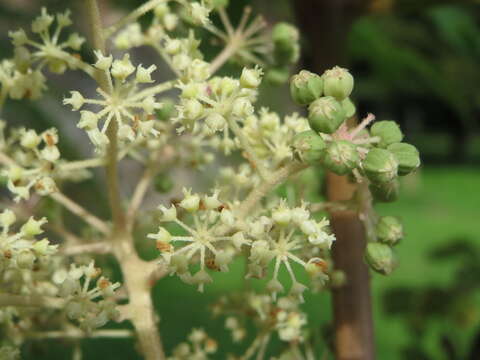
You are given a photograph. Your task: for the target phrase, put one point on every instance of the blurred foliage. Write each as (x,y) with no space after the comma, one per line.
(454,306)
(421,60)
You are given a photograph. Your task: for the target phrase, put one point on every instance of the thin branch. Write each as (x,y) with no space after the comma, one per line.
(138,195)
(78,334)
(91,248)
(81,212)
(131,17)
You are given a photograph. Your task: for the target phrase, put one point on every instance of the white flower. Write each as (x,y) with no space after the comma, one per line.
(190,202)
(121,69)
(103,62)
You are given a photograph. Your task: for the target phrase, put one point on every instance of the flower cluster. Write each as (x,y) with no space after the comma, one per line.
(75,287)
(22,76)
(218,235)
(130,107)
(198,347)
(22,250)
(34,161)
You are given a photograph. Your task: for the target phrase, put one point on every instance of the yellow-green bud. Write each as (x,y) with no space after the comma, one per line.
(349,107)
(388,131)
(407,156)
(380,257)
(305,87)
(380,166)
(167,110)
(389,230)
(337,82)
(385,192)
(341,157)
(309,146)
(326,115)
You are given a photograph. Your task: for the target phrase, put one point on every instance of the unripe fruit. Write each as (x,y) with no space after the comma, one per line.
(380,166)
(389,230)
(407,156)
(380,257)
(337,82)
(326,115)
(341,157)
(305,87)
(388,131)
(348,107)
(309,146)
(277,75)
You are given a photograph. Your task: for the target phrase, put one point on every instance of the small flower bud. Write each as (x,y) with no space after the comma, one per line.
(388,131)
(309,146)
(385,192)
(190,202)
(222,259)
(215,122)
(162,235)
(407,156)
(25,260)
(227,217)
(173,46)
(33,227)
(7,218)
(19,37)
(389,230)
(282,215)
(76,100)
(144,74)
(88,120)
(121,69)
(337,82)
(193,109)
(275,286)
(306,87)
(341,157)
(168,214)
(30,139)
(251,78)
(380,166)
(75,41)
(380,257)
(297,289)
(103,62)
(242,107)
(326,115)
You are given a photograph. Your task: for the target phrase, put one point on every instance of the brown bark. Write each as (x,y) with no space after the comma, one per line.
(326,24)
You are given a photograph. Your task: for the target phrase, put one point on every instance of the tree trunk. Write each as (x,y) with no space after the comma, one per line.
(326,24)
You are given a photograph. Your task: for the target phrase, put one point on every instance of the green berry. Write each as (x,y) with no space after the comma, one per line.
(326,115)
(385,192)
(338,82)
(284,35)
(389,230)
(305,87)
(163,183)
(380,257)
(407,156)
(348,107)
(380,166)
(309,145)
(341,157)
(388,131)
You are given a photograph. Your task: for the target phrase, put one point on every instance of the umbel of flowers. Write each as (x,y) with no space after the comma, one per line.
(211,125)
